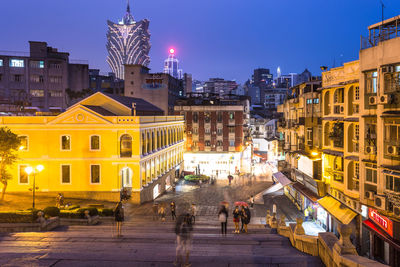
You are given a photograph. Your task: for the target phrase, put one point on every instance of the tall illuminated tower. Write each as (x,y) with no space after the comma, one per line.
(171,65)
(128,42)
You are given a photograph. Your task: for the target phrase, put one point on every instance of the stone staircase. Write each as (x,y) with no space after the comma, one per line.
(150,243)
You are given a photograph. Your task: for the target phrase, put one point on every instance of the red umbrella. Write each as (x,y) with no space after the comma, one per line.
(241,203)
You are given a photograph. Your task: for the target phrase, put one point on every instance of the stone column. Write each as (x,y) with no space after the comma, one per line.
(274,224)
(344,245)
(267,218)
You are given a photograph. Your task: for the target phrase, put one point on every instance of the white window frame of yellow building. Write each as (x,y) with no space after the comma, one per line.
(70,142)
(91,174)
(19,174)
(27,142)
(90,143)
(61,174)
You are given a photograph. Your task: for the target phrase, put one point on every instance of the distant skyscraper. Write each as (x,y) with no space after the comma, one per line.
(171,65)
(128,42)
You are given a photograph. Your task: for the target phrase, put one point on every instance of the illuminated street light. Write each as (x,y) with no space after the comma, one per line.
(314,153)
(29,170)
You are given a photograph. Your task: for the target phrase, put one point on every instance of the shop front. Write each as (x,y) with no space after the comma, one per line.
(384,238)
(336,213)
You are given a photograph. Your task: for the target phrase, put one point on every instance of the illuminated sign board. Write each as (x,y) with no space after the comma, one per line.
(385,223)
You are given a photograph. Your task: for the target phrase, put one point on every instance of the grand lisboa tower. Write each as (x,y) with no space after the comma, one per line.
(128,42)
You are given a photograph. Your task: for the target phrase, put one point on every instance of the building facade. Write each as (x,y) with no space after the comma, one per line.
(380,138)
(98,147)
(160,89)
(41,79)
(217,139)
(105,82)
(219,87)
(128,42)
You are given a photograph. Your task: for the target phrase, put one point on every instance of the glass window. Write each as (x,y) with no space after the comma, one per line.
(95,142)
(371,82)
(37,93)
(17,78)
(208,143)
(316,100)
(219,116)
(357,93)
(231,115)
(126,145)
(231,143)
(195,117)
(1,63)
(207,130)
(23,176)
(65,174)
(24,143)
(56,93)
(37,64)
(371,175)
(195,130)
(231,129)
(219,131)
(207,117)
(95,174)
(65,142)
(17,63)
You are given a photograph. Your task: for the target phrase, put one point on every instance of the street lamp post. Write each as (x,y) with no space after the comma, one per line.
(34,171)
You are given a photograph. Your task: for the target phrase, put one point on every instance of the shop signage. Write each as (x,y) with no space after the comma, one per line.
(385,223)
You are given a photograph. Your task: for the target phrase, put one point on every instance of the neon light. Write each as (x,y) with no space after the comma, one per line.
(172,51)
(382,221)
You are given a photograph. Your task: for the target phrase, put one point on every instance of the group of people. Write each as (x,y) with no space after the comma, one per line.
(160,211)
(242,215)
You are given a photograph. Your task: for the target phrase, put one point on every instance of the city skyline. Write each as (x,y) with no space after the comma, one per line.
(227,40)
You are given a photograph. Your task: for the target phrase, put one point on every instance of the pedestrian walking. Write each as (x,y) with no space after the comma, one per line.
(119,217)
(161,212)
(251,201)
(193,210)
(236,218)
(247,218)
(173,210)
(223,219)
(243,218)
(60,200)
(183,230)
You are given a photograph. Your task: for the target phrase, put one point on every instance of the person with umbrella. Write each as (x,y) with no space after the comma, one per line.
(236,218)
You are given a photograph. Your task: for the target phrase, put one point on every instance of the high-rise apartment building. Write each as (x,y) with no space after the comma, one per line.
(219,86)
(171,65)
(128,42)
(40,79)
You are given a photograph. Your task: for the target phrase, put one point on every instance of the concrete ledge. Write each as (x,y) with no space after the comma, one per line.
(48,225)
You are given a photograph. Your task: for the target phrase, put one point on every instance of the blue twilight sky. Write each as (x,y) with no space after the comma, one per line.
(213,38)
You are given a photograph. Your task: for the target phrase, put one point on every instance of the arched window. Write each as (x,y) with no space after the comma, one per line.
(148,142)
(143,144)
(153,142)
(158,140)
(126,146)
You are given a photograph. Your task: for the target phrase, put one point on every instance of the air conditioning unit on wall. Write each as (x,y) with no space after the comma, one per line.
(380,202)
(372,100)
(370,150)
(393,150)
(396,210)
(369,195)
(385,99)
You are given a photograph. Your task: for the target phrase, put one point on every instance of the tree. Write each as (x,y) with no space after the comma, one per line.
(9,145)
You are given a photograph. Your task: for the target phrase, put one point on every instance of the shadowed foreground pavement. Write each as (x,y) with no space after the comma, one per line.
(149,243)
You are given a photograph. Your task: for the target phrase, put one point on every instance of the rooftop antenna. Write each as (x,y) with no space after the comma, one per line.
(383,6)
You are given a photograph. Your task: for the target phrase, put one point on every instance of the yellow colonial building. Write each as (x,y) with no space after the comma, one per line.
(98,147)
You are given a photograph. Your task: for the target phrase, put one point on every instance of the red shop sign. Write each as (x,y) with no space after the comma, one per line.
(385,223)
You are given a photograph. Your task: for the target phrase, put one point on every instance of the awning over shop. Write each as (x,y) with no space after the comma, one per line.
(372,227)
(333,152)
(281,178)
(305,192)
(337,209)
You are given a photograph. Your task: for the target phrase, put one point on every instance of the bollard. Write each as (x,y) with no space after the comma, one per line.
(274,224)
(299,230)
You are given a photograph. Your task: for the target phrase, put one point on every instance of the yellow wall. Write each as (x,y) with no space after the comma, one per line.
(44,147)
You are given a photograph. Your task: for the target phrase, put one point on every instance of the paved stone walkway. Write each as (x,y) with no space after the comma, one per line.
(148,242)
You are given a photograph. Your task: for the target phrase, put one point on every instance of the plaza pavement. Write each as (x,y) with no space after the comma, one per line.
(148,242)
